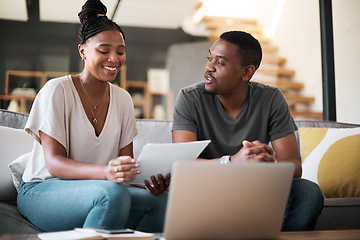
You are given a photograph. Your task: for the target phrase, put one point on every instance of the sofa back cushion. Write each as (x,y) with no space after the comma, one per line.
(13,143)
(330,157)
(321,124)
(151,131)
(12,119)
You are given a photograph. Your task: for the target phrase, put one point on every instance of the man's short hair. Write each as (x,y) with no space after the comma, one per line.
(249,48)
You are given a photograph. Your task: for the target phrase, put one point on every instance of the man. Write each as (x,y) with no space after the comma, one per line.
(241,117)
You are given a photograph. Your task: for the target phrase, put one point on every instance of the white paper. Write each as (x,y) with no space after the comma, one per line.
(69,235)
(90,234)
(158,158)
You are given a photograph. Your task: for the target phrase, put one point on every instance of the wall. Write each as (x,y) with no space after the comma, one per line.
(298,39)
(347,59)
(186,64)
(47,46)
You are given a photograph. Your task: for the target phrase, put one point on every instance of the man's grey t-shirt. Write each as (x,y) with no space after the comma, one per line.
(264,116)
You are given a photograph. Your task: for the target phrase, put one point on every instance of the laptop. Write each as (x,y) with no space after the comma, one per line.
(227,201)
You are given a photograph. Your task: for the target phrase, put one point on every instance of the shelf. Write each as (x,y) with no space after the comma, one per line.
(25,82)
(141,98)
(169,104)
(21,100)
(22,86)
(148,101)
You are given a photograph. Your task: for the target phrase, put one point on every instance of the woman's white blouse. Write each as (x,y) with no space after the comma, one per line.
(58,112)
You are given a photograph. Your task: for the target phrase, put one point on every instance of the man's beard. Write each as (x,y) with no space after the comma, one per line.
(210,92)
(207,92)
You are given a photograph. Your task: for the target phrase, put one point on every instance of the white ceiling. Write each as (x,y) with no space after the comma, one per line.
(150,13)
(144,13)
(13,10)
(170,14)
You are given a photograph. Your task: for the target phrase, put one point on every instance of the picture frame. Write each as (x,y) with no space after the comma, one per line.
(158,80)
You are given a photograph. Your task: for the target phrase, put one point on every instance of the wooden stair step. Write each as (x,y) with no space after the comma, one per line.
(306,114)
(266,48)
(214,35)
(293,99)
(271,71)
(274,60)
(228,20)
(284,85)
(262,39)
(277,71)
(239,26)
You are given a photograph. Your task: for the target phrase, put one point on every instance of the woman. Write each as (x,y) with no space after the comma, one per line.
(84,128)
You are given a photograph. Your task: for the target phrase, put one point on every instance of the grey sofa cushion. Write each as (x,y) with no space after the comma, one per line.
(12,119)
(339,214)
(11,219)
(151,131)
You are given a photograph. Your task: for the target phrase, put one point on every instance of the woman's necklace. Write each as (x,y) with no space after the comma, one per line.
(94,107)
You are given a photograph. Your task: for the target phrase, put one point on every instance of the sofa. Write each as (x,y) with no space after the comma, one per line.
(338,213)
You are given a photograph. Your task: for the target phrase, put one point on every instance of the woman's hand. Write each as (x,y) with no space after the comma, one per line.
(120,170)
(159,185)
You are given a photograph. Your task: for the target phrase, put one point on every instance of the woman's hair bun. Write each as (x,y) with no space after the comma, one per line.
(91,9)
(93,21)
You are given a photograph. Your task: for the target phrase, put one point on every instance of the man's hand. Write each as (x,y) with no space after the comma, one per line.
(159,185)
(254,152)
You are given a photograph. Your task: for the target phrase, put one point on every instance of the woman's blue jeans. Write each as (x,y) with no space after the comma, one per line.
(57,205)
(304,206)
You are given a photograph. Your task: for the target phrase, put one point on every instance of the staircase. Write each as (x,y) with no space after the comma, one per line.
(272,70)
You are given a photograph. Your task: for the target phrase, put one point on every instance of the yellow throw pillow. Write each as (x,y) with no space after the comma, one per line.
(331,158)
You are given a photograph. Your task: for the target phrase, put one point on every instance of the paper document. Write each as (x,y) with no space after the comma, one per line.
(90,234)
(158,158)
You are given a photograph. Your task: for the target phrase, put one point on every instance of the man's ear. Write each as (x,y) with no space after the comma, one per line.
(81,51)
(249,72)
